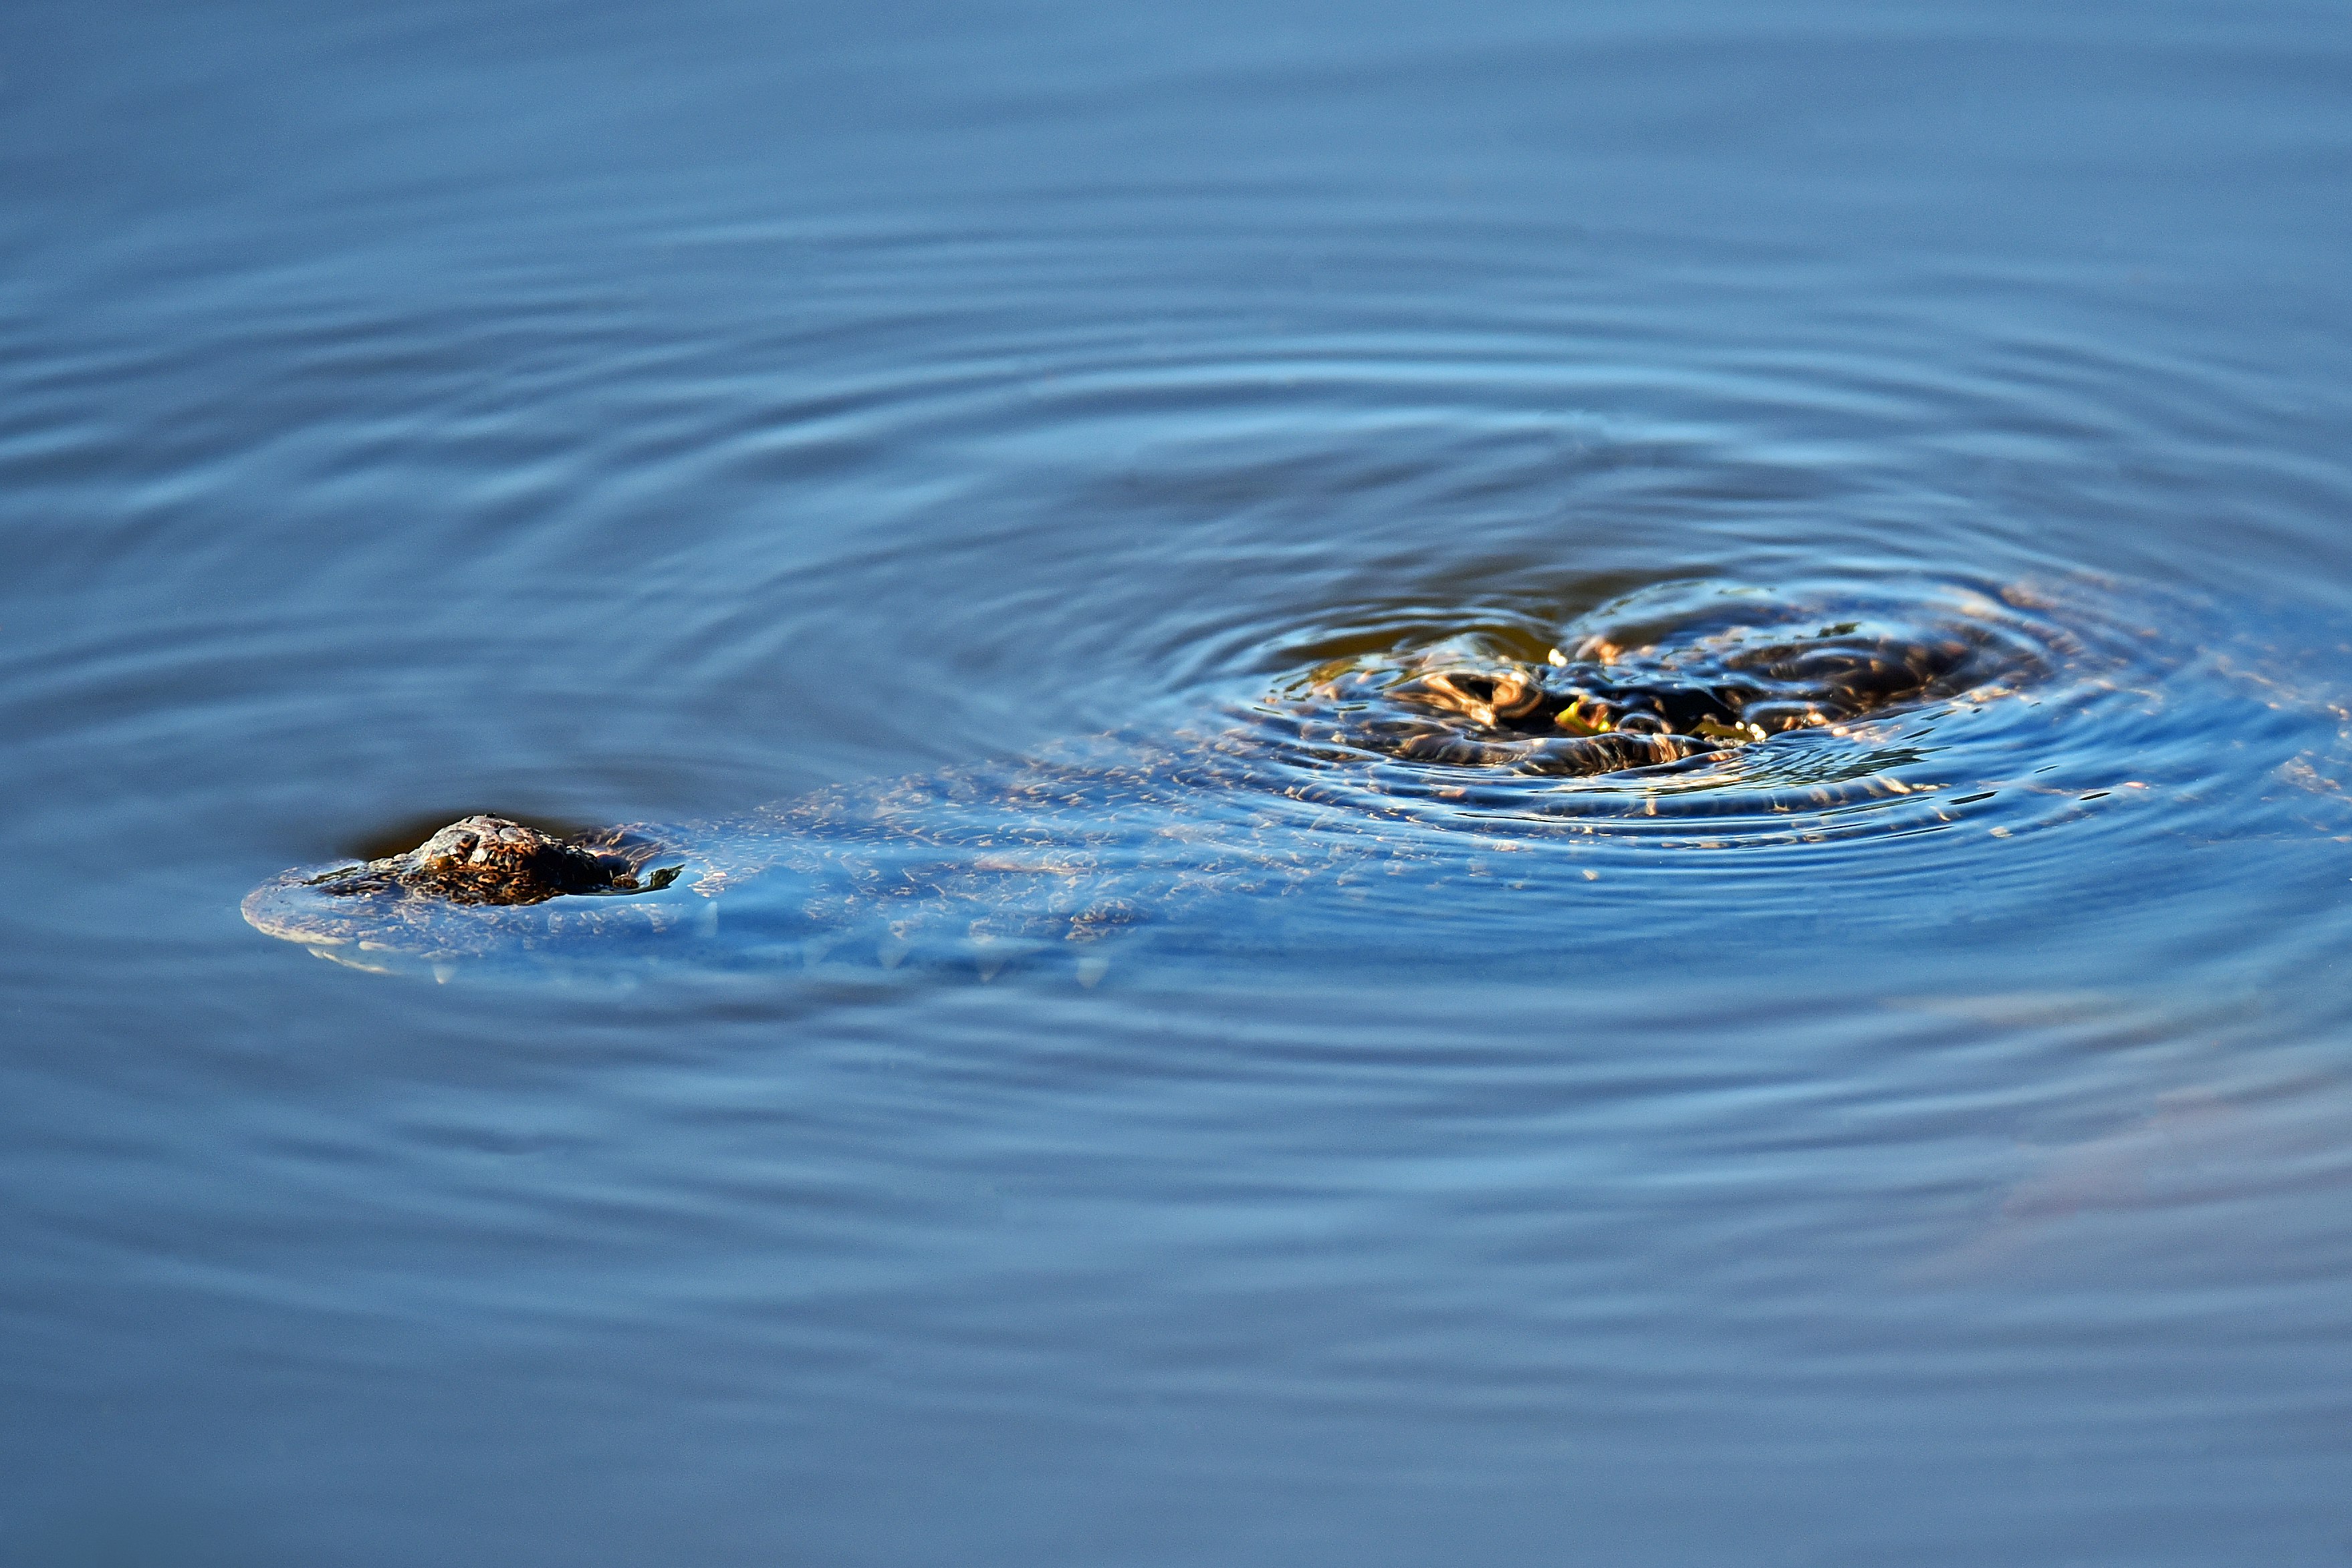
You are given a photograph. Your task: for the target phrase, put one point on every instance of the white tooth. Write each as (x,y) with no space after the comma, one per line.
(1092,969)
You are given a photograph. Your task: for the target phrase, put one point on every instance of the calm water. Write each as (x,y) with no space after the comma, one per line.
(651,413)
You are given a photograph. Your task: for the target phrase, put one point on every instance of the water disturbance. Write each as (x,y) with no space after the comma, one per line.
(1691,715)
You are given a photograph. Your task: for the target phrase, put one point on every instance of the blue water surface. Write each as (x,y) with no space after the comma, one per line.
(612,414)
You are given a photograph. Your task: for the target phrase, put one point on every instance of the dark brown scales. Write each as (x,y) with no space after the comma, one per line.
(489,859)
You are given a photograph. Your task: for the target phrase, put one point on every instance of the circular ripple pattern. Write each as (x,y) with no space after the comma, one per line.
(677,562)
(1787,733)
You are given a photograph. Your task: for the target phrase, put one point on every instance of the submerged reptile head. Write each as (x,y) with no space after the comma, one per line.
(489,859)
(443,898)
